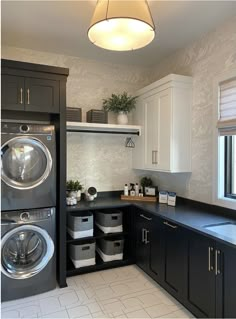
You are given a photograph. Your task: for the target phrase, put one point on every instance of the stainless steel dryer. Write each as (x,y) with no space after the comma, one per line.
(28,170)
(28,264)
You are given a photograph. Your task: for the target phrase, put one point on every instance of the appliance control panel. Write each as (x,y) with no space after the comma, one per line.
(26,128)
(26,216)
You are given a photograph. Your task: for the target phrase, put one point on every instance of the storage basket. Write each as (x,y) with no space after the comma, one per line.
(110,221)
(110,249)
(73,114)
(97,116)
(80,224)
(82,255)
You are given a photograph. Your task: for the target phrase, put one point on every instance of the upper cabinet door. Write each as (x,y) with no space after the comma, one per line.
(151,108)
(12,92)
(41,95)
(166,109)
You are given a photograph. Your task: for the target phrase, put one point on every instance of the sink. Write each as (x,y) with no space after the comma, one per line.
(226,229)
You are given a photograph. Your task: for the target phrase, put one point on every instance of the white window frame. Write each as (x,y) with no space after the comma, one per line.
(218,144)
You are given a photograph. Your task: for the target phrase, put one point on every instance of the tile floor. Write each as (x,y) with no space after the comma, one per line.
(124,292)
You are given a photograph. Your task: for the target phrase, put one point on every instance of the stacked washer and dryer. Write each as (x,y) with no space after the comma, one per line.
(28,219)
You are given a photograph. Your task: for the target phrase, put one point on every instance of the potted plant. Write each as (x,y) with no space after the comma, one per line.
(145,182)
(120,104)
(74,189)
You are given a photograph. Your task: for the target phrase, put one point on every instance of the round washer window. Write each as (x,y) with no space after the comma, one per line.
(26,162)
(26,250)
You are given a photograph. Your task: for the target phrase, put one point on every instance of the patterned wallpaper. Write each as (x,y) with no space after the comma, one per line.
(102,160)
(213,54)
(96,160)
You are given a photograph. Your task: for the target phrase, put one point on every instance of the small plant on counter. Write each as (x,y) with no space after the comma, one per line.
(74,190)
(145,182)
(73,186)
(121,104)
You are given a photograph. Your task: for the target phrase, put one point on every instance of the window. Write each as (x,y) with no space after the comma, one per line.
(226,126)
(230,166)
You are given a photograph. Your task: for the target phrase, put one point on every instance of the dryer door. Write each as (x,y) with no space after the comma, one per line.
(26,250)
(26,162)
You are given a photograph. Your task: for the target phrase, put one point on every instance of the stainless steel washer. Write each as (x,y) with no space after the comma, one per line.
(28,171)
(28,264)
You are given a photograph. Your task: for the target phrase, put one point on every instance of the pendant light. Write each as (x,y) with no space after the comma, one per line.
(121,25)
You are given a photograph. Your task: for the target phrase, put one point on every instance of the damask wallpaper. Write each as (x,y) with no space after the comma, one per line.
(102,160)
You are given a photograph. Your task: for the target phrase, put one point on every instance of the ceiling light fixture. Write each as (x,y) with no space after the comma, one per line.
(121,25)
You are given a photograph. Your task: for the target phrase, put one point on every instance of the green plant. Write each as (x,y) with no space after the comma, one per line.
(146,182)
(120,103)
(73,186)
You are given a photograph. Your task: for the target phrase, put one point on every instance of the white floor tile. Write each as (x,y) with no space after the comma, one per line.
(160,310)
(138,314)
(59,315)
(68,298)
(78,312)
(10,314)
(50,305)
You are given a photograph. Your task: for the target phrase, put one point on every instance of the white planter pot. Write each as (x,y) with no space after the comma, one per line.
(122,118)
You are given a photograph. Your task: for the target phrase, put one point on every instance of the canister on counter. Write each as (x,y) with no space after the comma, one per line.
(163,197)
(171,198)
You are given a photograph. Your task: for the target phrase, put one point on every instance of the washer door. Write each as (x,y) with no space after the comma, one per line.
(26,162)
(26,250)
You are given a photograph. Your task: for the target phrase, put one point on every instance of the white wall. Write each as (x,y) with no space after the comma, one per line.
(96,160)
(213,54)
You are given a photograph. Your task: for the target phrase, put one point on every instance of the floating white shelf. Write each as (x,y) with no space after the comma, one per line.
(103,128)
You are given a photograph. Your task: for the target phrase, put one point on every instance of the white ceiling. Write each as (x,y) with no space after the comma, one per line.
(61,27)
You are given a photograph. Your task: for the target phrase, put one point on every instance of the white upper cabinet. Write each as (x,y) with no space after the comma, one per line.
(164,112)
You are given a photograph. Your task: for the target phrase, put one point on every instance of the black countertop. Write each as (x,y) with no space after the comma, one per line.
(193,217)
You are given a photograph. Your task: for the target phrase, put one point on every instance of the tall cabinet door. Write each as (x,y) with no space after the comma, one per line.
(164,130)
(41,95)
(201,275)
(12,92)
(225,271)
(151,131)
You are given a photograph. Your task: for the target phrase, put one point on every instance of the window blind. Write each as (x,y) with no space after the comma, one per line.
(227,107)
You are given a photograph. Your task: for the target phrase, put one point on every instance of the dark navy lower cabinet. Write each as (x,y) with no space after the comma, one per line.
(198,271)
(211,289)
(175,259)
(225,274)
(201,275)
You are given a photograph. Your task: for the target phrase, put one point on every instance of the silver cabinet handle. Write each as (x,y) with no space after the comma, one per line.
(217,270)
(143,235)
(147,241)
(152,157)
(172,226)
(21,96)
(155,160)
(145,217)
(210,249)
(28,96)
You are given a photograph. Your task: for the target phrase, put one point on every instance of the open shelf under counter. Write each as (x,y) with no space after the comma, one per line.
(100,265)
(97,235)
(103,128)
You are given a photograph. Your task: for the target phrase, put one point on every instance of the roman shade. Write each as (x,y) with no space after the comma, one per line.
(227,107)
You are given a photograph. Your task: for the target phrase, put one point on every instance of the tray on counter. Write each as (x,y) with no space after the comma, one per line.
(139,198)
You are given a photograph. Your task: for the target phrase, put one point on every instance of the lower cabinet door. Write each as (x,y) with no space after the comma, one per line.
(156,239)
(201,275)
(225,271)
(175,259)
(142,242)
